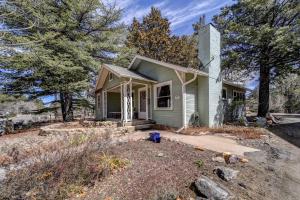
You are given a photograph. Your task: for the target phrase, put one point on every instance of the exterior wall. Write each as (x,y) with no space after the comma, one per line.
(209,54)
(191,100)
(161,74)
(98,105)
(114,102)
(203,100)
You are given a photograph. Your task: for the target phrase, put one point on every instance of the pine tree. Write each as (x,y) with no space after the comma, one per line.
(56,47)
(261,36)
(152,38)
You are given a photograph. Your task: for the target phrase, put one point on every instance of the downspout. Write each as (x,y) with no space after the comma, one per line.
(183,89)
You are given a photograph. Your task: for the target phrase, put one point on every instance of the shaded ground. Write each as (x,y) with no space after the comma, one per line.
(288,129)
(280,154)
(150,175)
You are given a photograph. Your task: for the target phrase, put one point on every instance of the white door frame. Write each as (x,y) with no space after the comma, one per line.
(143,115)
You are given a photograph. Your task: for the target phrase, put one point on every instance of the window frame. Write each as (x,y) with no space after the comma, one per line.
(239,95)
(155,95)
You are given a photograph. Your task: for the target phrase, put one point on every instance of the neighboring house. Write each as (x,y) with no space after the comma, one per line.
(166,93)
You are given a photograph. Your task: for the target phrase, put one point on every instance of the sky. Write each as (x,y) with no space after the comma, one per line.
(181,13)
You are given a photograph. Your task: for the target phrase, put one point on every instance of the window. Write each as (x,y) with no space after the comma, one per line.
(238,96)
(111,76)
(224,93)
(163,96)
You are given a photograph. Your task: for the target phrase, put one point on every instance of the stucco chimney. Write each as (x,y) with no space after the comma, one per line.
(209,49)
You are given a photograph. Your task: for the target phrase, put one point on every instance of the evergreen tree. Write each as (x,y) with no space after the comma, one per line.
(56,47)
(152,38)
(261,36)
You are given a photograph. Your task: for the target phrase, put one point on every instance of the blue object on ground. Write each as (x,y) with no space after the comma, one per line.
(155,137)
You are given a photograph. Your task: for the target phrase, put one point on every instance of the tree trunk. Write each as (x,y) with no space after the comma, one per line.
(264,91)
(66,106)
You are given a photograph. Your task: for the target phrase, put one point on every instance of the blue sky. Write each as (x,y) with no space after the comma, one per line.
(181,13)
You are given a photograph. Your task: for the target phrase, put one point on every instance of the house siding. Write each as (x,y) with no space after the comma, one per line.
(230,89)
(99,105)
(203,103)
(161,74)
(191,100)
(114,103)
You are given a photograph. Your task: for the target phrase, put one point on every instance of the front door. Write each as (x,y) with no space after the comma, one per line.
(142,103)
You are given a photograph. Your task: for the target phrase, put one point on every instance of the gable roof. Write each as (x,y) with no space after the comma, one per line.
(125,72)
(137,59)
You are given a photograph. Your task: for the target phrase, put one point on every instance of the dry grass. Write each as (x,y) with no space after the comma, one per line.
(62,173)
(238,131)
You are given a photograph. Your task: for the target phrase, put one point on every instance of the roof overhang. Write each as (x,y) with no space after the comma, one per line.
(137,60)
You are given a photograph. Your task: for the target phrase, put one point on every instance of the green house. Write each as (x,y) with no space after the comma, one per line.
(168,94)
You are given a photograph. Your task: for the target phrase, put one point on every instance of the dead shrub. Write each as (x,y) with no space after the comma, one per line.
(238,131)
(60,174)
(162,127)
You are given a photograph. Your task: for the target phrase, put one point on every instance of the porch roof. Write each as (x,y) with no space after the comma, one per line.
(125,72)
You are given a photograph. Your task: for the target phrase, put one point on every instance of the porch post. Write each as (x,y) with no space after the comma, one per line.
(125,102)
(122,102)
(130,98)
(147,115)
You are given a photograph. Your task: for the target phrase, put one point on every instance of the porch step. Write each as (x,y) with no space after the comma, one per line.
(139,122)
(143,126)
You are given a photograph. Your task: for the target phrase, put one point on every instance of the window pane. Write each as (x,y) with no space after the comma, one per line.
(163,91)
(164,102)
(224,95)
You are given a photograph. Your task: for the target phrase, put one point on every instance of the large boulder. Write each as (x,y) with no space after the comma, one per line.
(210,189)
(225,173)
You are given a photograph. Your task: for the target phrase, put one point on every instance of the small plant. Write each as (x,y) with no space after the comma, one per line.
(112,162)
(199,163)
(78,140)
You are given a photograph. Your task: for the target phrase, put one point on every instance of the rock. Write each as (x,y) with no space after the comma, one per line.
(225,173)
(230,158)
(160,155)
(210,189)
(218,159)
(242,185)
(261,121)
(244,160)
(199,148)
(270,168)
(3,173)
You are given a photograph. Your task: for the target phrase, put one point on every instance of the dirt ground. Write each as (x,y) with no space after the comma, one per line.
(169,168)
(156,170)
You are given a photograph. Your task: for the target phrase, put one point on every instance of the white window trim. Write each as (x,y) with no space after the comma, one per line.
(155,95)
(237,93)
(224,88)
(110,76)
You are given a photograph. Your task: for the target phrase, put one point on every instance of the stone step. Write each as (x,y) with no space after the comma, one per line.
(139,122)
(143,126)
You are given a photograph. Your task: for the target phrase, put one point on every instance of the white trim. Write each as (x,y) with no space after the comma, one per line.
(139,90)
(155,94)
(224,88)
(183,90)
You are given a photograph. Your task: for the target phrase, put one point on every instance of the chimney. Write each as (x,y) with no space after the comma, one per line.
(209,49)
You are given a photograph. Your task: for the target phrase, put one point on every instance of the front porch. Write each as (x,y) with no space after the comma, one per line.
(128,103)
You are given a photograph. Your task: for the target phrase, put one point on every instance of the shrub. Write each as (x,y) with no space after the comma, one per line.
(60,174)
(238,131)
(199,163)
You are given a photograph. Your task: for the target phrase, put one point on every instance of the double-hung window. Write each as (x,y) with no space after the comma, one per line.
(163,96)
